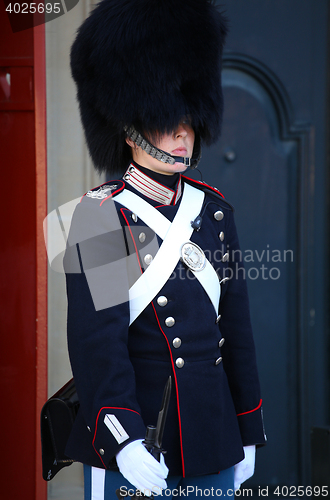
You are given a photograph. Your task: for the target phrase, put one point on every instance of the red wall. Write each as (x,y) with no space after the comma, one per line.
(22,261)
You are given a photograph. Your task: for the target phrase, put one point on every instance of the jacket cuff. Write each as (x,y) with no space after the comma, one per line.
(114,428)
(252,426)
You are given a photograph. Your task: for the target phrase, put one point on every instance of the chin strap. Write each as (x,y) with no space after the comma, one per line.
(159,154)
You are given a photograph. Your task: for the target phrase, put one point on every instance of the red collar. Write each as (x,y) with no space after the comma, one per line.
(151,188)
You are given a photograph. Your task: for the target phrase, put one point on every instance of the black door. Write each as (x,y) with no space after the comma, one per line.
(271,164)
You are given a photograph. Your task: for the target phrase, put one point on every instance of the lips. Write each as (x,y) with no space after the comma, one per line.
(180,152)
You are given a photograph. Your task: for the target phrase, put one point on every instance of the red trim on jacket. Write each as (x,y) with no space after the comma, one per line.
(251,411)
(129,228)
(145,192)
(96,424)
(113,192)
(149,187)
(204,185)
(168,345)
(176,389)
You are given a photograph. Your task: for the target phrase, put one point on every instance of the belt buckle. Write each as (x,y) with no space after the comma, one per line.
(193,256)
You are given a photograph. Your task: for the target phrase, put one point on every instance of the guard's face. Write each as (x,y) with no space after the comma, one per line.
(179,143)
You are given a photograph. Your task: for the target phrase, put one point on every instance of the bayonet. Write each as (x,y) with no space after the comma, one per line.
(154,435)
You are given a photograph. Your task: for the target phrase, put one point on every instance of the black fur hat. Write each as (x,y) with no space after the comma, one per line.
(147,63)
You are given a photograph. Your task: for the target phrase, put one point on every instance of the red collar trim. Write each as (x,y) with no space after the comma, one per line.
(203,184)
(150,188)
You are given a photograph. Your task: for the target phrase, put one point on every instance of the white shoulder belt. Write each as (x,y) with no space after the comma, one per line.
(174,235)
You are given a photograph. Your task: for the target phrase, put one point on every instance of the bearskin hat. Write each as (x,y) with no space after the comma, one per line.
(147,63)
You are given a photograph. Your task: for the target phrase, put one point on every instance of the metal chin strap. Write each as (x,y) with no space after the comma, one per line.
(159,154)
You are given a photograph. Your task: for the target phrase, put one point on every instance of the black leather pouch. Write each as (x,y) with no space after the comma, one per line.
(57,418)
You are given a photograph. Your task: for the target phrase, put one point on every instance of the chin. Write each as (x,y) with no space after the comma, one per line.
(179,167)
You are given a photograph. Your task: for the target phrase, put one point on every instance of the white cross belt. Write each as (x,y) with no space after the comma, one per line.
(174,235)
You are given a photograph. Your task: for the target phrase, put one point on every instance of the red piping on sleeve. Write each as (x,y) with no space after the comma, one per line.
(251,411)
(97,419)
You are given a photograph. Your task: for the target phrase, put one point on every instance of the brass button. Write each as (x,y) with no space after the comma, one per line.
(225,258)
(179,362)
(218,318)
(218,215)
(221,342)
(88,428)
(142,237)
(131,169)
(101,451)
(176,342)
(170,321)
(162,301)
(134,217)
(222,236)
(148,259)
(218,361)
(126,177)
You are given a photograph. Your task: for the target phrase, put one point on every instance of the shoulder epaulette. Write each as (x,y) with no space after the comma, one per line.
(105,191)
(208,190)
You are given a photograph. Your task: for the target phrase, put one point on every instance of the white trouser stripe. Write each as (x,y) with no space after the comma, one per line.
(97,483)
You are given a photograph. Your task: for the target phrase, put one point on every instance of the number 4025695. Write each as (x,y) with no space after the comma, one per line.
(33,8)
(301,491)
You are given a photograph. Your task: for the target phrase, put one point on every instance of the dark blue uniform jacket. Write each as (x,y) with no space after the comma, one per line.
(121,370)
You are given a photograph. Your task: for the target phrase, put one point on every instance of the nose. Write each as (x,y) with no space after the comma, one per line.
(181,131)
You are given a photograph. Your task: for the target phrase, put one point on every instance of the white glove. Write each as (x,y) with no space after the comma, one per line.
(141,469)
(245,469)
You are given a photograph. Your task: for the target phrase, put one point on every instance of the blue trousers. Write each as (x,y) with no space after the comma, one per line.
(102,484)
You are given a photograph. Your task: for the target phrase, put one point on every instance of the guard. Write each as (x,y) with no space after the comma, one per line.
(153,273)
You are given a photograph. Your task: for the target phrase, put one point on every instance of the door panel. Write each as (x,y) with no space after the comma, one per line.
(271,164)
(253,168)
